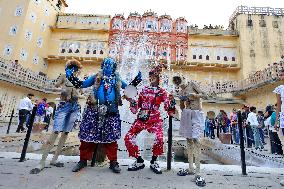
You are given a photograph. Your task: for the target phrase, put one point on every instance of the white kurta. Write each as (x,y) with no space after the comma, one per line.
(191,124)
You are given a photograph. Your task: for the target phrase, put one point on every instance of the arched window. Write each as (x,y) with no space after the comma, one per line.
(218,57)
(225,58)
(101,52)
(200,56)
(95,52)
(233,59)
(88,51)
(194,57)
(207,57)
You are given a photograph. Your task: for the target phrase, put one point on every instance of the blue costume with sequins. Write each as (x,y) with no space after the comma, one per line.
(106,94)
(101,121)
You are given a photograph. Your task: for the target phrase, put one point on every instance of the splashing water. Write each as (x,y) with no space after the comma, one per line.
(137,56)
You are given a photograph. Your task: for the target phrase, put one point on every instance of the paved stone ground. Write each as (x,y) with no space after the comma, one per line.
(14,174)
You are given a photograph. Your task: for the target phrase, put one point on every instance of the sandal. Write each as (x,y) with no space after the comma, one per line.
(35,171)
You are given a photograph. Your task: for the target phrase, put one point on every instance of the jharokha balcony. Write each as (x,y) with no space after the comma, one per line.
(16,74)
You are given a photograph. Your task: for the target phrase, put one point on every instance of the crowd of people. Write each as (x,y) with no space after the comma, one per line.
(257,126)
(43,114)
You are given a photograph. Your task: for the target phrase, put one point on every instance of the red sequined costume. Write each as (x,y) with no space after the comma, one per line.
(150,100)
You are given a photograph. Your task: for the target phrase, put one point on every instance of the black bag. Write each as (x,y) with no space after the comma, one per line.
(144,115)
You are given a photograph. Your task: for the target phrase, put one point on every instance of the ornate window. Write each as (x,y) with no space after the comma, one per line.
(166,26)
(42,26)
(23,54)
(35,59)
(200,57)
(194,57)
(33,17)
(37,2)
(233,59)
(28,35)
(19,11)
(249,21)
(225,58)
(39,42)
(131,24)
(207,57)
(46,11)
(218,57)
(117,24)
(8,50)
(275,24)
(262,23)
(63,47)
(13,30)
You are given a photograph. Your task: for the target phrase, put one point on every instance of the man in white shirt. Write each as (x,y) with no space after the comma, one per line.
(252,121)
(25,107)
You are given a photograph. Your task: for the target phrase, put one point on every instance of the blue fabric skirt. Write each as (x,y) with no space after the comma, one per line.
(99,129)
(65,116)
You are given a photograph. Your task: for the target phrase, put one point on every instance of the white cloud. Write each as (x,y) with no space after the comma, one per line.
(200,12)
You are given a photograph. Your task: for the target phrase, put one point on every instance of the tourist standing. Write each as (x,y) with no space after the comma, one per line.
(276,146)
(48,115)
(41,110)
(253,123)
(234,126)
(25,107)
(211,124)
(248,130)
(260,119)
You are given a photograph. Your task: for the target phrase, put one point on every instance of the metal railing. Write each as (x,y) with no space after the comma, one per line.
(27,78)
(17,74)
(212,32)
(257,11)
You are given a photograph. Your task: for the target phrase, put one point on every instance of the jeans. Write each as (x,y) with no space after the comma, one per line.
(261,134)
(257,142)
(235,133)
(212,132)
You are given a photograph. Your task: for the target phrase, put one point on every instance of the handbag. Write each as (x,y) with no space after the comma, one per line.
(144,115)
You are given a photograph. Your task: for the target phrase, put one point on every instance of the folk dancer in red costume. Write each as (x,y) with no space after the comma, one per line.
(149,118)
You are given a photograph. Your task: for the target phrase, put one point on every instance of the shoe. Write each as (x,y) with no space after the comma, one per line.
(156,168)
(57,164)
(136,166)
(199,181)
(114,166)
(80,165)
(184,172)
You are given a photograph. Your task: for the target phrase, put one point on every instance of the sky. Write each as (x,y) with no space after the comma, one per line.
(200,12)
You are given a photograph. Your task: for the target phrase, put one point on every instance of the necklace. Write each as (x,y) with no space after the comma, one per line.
(108,81)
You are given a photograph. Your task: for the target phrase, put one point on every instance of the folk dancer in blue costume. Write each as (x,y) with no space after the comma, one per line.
(101,122)
(64,117)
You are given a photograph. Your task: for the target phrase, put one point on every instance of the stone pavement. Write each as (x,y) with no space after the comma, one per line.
(14,174)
